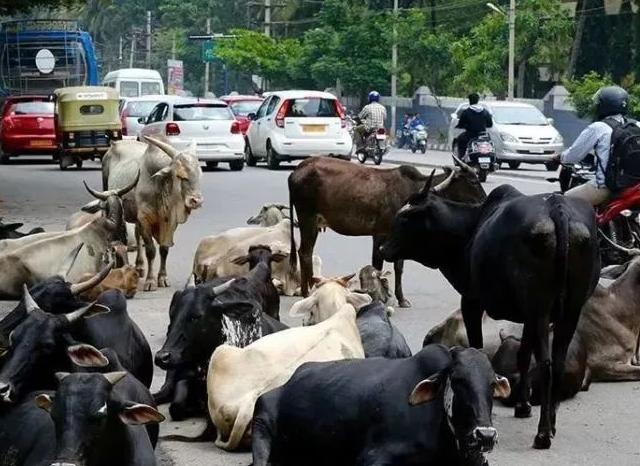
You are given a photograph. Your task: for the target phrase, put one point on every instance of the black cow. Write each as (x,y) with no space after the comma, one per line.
(91,422)
(528,259)
(431,409)
(44,343)
(380,338)
(10,230)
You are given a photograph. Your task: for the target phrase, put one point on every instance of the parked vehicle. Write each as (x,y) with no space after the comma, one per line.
(134,108)
(375,146)
(520,133)
(242,106)
(26,127)
(135,82)
(208,123)
(291,125)
(481,156)
(86,121)
(418,139)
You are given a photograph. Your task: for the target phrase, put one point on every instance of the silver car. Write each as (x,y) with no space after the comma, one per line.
(134,108)
(520,133)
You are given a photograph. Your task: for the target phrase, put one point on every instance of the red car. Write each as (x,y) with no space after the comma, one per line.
(26,127)
(242,106)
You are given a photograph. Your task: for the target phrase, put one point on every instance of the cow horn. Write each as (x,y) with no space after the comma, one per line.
(427,185)
(102,195)
(68,262)
(165,147)
(631,252)
(445,184)
(122,191)
(461,164)
(81,287)
(217,290)
(191,283)
(114,377)
(29,303)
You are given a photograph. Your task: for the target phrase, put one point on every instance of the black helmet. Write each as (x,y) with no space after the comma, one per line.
(611,100)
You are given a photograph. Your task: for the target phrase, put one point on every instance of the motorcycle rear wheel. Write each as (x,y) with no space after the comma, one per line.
(361,156)
(482,175)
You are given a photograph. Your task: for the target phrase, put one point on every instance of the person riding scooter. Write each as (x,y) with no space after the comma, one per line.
(413,126)
(371,118)
(475,120)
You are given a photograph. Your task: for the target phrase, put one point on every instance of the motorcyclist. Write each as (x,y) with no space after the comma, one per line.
(406,122)
(372,117)
(474,120)
(415,122)
(611,102)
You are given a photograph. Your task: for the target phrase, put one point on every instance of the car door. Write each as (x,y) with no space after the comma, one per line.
(269,123)
(253,134)
(156,122)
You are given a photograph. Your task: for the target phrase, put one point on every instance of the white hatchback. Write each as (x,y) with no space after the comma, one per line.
(292,125)
(208,123)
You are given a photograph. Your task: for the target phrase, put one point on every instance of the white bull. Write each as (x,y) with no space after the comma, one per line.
(237,377)
(215,254)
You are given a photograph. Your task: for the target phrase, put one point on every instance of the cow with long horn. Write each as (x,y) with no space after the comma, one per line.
(167,192)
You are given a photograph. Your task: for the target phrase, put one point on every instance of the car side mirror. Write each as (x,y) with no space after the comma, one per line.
(142,120)
(550,121)
(251,116)
(454,115)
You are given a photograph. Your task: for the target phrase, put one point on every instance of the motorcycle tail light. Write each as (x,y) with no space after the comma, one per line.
(381,131)
(626,213)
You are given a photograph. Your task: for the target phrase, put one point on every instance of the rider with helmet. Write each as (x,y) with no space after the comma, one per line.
(611,106)
(372,117)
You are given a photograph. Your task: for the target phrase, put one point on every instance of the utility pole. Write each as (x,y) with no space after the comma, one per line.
(148,38)
(267,18)
(120,52)
(512,48)
(206,64)
(433,15)
(394,70)
(173,46)
(133,48)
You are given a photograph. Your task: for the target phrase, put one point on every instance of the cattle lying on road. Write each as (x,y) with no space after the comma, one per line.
(215,254)
(168,190)
(237,377)
(376,284)
(269,215)
(529,259)
(10,230)
(435,409)
(324,194)
(124,279)
(380,338)
(82,218)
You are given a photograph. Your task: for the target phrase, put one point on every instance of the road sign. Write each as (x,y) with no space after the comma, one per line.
(208,51)
(175,77)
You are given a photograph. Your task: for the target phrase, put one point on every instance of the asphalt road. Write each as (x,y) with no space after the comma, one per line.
(597,428)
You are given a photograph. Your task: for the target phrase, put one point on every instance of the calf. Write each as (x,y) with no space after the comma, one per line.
(375,283)
(269,215)
(124,279)
(237,377)
(380,338)
(528,259)
(435,409)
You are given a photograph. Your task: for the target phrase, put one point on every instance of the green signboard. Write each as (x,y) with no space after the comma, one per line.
(208,51)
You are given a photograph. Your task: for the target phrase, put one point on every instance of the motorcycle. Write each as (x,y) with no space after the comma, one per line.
(618,221)
(403,136)
(375,145)
(418,139)
(481,155)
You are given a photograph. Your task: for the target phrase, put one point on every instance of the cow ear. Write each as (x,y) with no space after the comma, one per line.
(344,281)
(279,256)
(426,390)
(612,272)
(92,207)
(84,355)
(317,281)
(12,226)
(357,300)
(44,401)
(501,387)
(136,414)
(303,307)
(240,260)
(160,174)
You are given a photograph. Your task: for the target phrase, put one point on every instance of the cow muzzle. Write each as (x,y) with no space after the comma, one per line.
(193,202)
(485,438)
(6,390)
(163,359)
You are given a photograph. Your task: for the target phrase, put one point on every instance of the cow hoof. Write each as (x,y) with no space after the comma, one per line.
(163,282)
(150,285)
(522,410)
(404,303)
(542,441)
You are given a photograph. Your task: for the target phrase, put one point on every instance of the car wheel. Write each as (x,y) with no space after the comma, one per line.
(236,165)
(272,159)
(552,166)
(79,162)
(513,165)
(248,156)
(211,164)
(4,158)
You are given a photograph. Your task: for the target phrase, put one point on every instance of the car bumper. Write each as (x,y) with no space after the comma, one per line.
(28,144)
(302,148)
(214,151)
(529,153)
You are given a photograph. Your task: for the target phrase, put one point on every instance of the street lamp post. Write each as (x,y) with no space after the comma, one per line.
(512,42)
(394,71)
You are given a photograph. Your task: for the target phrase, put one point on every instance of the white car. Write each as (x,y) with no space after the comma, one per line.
(520,133)
(291,125)
(134,108)
(209,123)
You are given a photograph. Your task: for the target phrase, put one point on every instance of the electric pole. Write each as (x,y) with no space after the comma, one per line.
(394,71)
(512,48)
(133,48)
(267,18)
(148,39)
(173,45)
(206,64)
(120,52)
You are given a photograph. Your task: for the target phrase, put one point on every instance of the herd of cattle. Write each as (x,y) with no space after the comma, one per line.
(344,388)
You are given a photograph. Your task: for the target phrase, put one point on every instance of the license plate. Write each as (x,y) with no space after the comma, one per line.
(314,128)
(39,143)
(381,137)
(536,151)
(484,165)
(484,160)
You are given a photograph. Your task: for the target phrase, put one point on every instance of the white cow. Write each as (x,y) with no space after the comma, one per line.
(237,377)
(215,254)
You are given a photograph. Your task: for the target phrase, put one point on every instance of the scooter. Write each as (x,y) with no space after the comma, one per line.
(403,136)
(375,146)
(418,139)
(481,155)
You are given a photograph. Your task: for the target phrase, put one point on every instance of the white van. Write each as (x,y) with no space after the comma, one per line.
(135,82)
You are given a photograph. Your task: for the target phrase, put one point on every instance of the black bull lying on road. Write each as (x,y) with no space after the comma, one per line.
(528,259)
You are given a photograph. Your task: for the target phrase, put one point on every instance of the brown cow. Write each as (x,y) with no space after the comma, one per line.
(356,200)
(124,279)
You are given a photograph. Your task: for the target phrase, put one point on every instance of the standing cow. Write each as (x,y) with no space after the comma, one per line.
(355,200)
(168,190)
(528,259)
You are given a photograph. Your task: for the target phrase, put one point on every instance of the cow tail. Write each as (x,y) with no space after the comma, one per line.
(560,219)
(293,255)
(240,426)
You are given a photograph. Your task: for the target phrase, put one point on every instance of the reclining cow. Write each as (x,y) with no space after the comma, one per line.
(529,259)
(269,215)
(434,409)
(125,279)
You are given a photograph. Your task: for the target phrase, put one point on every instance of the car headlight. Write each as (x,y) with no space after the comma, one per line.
(558,139)
(508,138)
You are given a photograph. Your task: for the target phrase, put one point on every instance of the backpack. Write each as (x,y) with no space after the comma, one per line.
(623,167)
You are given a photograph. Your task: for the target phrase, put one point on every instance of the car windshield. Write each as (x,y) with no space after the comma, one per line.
(140,108)
(312,107)
(29,108)
(195,112)
(245,107)
(518,116)
(150,88)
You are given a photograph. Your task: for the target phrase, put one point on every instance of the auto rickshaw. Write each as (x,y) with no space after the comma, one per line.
(86,120)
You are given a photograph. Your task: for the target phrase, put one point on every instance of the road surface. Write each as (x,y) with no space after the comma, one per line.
(597,428)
